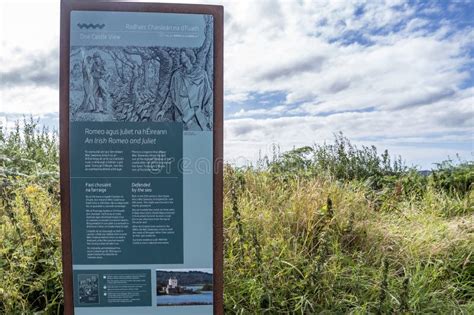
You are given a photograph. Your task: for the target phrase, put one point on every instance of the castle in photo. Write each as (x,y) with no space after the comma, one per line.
(172,287)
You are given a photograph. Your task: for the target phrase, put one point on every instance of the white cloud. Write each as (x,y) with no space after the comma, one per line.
(405,71)
(454,115)
(29,37)
(332,60)
(397,70)
(274,111)
(29,24)
(30,99)
(403,131)
(236,97)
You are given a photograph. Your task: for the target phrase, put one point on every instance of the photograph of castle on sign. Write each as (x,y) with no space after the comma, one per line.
(134,83)
(184,287)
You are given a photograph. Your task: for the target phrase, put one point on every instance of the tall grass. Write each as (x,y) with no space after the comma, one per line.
(346,255)
(328,229)
(30,258)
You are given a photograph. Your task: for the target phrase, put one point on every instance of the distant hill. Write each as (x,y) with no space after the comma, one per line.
(184,278)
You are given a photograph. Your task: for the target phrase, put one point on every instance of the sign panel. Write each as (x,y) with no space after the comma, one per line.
(141,152)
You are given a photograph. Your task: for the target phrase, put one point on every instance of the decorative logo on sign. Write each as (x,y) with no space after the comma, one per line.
(90,25)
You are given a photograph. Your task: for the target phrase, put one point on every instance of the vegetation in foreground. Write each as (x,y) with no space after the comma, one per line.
(317,230)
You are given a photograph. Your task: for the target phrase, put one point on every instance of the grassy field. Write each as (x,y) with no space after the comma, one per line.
(328,229)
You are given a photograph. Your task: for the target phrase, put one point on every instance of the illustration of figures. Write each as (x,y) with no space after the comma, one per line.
(134,82)
(88,100)
(99,87)
(190,94)
(156,83)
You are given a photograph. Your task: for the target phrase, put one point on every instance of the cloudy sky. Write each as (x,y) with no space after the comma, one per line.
(397,74)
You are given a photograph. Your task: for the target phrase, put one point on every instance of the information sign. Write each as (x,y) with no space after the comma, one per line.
(141,158)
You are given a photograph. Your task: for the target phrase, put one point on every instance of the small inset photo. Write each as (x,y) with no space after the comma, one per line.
(184,287)
(88,288)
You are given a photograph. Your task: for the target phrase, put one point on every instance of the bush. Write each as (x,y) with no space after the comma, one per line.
(341,160)
(454,178)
